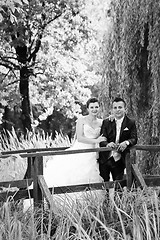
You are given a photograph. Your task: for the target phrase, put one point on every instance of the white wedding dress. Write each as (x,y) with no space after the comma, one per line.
(74,169)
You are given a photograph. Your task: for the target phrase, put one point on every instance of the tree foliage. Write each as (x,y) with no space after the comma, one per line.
(53,44)
(132,62)
(66,64)
(22,30)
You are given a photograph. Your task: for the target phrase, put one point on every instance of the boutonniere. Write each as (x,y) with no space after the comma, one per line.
(125,129)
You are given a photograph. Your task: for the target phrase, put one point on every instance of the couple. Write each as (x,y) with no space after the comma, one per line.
(118,133)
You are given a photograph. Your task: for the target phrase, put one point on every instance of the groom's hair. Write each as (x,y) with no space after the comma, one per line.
(118,99)
(91,100)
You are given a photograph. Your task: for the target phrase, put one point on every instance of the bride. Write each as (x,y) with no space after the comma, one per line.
(79,168)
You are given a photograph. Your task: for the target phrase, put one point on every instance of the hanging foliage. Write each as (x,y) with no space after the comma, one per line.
(132,63)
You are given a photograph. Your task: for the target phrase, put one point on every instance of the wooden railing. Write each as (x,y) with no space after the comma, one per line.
(40,189)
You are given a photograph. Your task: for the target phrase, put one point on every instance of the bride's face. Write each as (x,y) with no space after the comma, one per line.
(93,108)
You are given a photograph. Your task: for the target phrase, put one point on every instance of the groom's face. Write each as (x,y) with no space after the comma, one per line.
(118,109)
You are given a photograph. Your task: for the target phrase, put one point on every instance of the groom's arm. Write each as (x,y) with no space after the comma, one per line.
(133,134)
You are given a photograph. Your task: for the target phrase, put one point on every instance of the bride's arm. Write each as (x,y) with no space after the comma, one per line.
(80,134)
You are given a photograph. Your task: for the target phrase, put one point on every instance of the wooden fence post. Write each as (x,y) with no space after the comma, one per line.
(30,170)
(38,170)
(138,176)
(129,176)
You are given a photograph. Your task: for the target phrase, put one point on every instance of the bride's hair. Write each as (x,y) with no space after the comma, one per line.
(91,100)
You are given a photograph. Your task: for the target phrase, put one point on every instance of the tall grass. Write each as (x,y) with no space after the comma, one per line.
(129,215)
(10,141)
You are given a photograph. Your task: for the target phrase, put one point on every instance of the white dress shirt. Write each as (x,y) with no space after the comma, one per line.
(116,155)
(118,128)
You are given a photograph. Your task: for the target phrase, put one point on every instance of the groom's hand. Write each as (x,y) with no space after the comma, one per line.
(122,146)
(111,117)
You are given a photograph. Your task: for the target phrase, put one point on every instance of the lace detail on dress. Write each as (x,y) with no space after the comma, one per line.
(90,132)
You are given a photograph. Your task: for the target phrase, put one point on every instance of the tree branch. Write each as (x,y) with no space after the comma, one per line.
(12,83)
(51,20)
(37,47)
(8,64)
(14,58)
(5,75)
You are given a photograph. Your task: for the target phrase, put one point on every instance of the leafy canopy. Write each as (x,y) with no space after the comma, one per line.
(63,71)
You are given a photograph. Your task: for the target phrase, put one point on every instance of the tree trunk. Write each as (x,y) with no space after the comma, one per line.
(24,91)
(22,53)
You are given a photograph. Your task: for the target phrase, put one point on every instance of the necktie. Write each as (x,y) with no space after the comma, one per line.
(116,155)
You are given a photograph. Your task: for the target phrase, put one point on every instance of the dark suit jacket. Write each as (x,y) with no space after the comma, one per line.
(128,132)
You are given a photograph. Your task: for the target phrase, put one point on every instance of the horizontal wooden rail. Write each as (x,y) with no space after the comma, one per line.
(32,152)
(87,187)
(25,194)
(29,193)
(152,181)
(154,148)
(24,183)
(16,195)
(65,152)
(29,150)
(99,149)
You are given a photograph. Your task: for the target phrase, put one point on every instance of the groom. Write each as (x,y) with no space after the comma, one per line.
(121,133)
